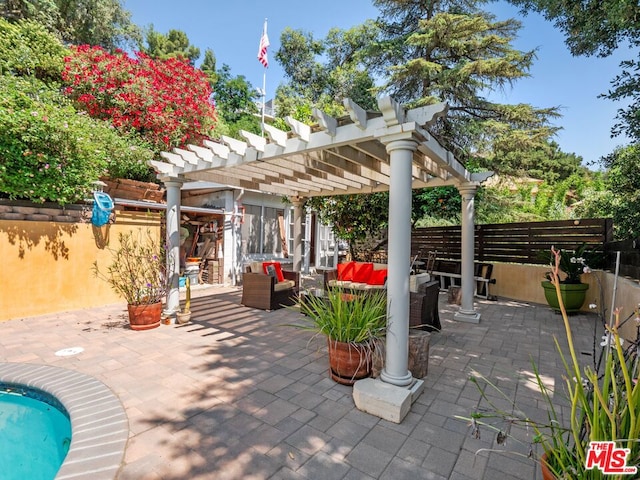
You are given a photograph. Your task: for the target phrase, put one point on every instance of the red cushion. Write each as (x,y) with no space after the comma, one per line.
(362,272)
(278,268)
(378,277)
(345,271)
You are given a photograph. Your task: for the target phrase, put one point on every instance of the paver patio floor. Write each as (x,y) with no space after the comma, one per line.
(237,394)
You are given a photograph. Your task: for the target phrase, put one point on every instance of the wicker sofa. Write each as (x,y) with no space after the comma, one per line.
(357,276)
(269,291)
(423,296)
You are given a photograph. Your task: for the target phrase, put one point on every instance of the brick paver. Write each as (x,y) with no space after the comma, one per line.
(238,394)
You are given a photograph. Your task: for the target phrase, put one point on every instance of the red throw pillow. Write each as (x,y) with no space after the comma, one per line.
(278,268)
(362,272)
(378,277)
(345,271)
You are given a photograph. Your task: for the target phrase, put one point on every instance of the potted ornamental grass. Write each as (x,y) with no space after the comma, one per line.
(592,429)
(351,322)
(137,271)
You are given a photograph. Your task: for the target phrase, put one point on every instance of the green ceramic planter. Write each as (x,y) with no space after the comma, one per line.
(573,295)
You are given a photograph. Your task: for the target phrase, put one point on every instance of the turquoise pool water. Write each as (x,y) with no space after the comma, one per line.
(35,434)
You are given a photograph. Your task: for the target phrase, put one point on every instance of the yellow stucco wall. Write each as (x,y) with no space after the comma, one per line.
(47,266)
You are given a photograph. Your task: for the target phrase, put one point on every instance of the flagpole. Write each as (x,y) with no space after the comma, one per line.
(264,99)
(262,57)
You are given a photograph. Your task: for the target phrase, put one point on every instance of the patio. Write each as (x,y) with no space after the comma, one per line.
(237,395)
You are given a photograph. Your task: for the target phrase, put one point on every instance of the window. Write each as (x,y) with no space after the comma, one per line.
(262,230)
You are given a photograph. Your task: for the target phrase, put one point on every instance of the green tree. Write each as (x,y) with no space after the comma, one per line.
(441,203)
(590,26)
(95,22)
(235,102)
(175,44)
(598,27)
(621,197)
(28,49)
(626,87)
(44,12)
(208,66)
(545,161)
(321,73)
(450,50)
(361,220)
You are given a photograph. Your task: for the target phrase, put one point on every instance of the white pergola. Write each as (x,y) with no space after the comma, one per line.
(363,152)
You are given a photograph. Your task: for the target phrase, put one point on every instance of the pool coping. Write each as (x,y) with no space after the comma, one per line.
(99,424)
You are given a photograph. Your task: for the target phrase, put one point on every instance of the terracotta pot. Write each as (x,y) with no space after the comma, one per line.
(145,317)
(349,362)
(546,473)
(573,295)
(183,317)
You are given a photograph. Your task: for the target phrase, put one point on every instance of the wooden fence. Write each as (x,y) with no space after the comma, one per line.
(629,257)
(515,242)
(527,243)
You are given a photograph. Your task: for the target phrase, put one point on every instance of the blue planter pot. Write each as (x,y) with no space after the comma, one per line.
(573,295)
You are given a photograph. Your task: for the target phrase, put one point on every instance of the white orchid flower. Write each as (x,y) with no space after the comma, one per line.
(607,340)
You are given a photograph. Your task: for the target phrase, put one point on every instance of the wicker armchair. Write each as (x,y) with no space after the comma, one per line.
(261,291)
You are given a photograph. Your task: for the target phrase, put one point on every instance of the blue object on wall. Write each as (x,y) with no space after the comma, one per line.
(102,206)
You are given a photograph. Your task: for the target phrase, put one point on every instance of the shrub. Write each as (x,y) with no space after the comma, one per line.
(27,49)
(138,269)
(50,152)
(165,101)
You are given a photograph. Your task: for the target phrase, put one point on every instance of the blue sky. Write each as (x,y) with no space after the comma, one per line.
(232,29)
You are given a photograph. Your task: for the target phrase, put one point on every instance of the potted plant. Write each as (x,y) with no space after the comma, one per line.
(185,315)
(138,272)
(351,323)
(573,292)
(599,434)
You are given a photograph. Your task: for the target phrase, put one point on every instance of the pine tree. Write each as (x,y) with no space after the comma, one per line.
(450,50)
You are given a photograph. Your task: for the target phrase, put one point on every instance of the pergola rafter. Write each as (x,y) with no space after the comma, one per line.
(336,156)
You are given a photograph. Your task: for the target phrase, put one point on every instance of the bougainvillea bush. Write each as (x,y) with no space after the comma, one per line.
(168,101)
(51,152)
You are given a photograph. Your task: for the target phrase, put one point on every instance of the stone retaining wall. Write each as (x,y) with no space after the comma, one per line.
(45,212)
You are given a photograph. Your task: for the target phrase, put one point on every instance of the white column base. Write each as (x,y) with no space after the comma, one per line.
(389,402)
(168,318)
(468,317)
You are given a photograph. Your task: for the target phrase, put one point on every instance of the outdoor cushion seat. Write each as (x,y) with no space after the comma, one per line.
(358,276)
(269,291)
(286,285)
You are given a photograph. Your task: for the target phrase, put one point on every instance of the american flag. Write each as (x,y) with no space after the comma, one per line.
(262,49)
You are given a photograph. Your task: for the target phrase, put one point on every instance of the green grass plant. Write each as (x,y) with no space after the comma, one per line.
(345,317)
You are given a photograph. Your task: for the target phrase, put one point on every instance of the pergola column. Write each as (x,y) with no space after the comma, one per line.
(173,186)
(467,312)
(396,369)
(390,396)
(298,211)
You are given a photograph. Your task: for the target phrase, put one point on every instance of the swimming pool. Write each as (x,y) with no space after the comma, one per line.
(99,424)
(36,433)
